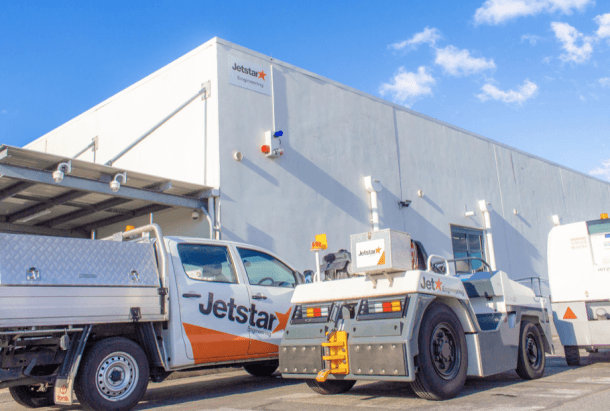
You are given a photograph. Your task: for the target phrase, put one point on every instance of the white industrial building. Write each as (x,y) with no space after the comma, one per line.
(203,120)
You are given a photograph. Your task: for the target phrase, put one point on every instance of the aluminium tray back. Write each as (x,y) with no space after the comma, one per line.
(79,281)
(30,260)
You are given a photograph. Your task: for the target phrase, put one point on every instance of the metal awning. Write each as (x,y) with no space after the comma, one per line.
(31,202)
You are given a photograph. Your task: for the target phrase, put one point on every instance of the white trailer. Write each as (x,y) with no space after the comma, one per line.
(579,269)
(406,322)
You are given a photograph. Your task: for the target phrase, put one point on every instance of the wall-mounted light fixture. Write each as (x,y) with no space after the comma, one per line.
(62,169)
(403,204)
(420,193)
(556,220)
(115,184)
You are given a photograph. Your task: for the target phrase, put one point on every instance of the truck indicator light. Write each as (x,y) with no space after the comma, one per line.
(375,309)
(603,216)
(311,314)
(569,315)
(265,149)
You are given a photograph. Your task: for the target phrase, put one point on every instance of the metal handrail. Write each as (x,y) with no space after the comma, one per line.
(470,258)
(438,257)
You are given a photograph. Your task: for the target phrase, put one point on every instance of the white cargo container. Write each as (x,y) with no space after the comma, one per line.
(579,265)
(207,116)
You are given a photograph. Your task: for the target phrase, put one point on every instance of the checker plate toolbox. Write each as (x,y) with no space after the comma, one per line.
(102,280)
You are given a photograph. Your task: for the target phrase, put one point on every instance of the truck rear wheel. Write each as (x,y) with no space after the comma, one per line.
(260,370)
(572,354)
(443,358)
(32,396)
(531,361)
(329,387)
(114,375)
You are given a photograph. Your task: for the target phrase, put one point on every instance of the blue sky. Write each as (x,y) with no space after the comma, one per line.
(533,74)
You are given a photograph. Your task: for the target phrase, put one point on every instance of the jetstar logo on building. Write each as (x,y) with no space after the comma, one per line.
(247,70)
(242,314)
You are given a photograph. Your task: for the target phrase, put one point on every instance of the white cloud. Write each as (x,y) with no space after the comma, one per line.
(429,35)
(526,91)
(582,98)
(569,36)
(604,26)
(605,81)
(460,63)
(499,11)
(406,86)
(603,171)
(532,38)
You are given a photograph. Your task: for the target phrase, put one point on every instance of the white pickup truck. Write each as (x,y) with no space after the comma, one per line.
(104,317)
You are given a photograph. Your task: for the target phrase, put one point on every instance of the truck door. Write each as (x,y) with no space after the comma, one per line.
(213,303)
(271,284)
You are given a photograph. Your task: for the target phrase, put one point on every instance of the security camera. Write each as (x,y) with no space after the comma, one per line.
(62,168)
(195,214)
(58,175)
(115,184)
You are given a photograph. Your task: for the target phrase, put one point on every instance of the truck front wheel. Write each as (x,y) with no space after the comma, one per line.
(531,361)
(443,357)
(329,387)
(32,396)
(114,375)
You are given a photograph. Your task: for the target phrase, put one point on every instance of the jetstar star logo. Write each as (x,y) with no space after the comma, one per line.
(242,314)
(370,252)
(430,284)
(247,70)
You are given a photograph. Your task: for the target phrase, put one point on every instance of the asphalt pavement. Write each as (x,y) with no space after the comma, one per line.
(583,388)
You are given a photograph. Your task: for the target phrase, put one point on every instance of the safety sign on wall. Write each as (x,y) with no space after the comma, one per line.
(248,75)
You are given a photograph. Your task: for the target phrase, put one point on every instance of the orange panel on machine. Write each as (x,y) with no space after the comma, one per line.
(260,347)
(211,345)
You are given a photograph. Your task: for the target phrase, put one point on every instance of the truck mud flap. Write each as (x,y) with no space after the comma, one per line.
(65,379)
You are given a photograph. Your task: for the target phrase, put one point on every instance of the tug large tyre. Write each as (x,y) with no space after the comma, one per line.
(260,370)
(443,356)
(113,376)
(531,361)
(330,387)
(32,396)
(572,355)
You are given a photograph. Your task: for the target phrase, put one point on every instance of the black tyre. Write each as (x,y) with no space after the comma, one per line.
(32,396)
(531,361)
(330,387)
(260,370)
(572,354)
(443,357)
(113,376)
